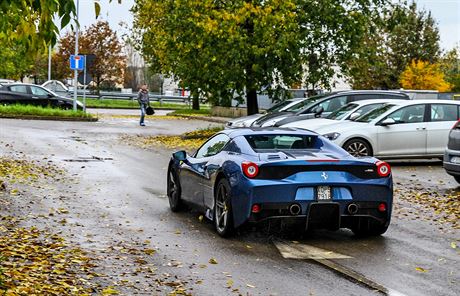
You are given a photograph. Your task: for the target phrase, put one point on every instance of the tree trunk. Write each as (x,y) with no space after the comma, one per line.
(195,100)
(251,102)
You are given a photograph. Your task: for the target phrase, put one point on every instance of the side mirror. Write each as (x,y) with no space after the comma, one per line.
(180,155)
(318,111)
(353,116)
(387,121)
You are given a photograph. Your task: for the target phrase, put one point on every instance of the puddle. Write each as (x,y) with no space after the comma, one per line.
(88,159)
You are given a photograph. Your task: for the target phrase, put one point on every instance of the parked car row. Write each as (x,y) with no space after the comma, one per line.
(31,94)
(384,124)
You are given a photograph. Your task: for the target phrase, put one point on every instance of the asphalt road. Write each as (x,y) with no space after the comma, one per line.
(117,196)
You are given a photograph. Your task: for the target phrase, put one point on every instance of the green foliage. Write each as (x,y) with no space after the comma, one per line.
(450,65)
(31,22)
(234,49)
(13,110)
(394,37)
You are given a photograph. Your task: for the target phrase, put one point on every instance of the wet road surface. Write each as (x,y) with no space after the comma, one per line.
(118,195)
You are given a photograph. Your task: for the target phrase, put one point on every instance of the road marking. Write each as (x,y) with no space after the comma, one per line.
(302,251)
(306,252)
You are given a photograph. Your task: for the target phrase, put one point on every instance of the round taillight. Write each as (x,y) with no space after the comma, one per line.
(250,169)
(382,207)
(383,168)
(256,208)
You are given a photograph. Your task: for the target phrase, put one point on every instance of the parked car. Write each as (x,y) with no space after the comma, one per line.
(323,105)
(408,129)
(57,87)
(348,112)
(251,175)
(451,161)
(31,94)
(248,120)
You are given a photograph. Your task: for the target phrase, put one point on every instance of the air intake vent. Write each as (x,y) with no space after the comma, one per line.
(273,156)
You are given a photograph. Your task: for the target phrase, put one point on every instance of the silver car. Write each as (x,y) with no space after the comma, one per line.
(407,129)
(348,112)
(248,120)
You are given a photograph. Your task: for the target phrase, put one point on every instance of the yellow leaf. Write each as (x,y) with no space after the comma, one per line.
(213,261)
(420,269)
(453,245)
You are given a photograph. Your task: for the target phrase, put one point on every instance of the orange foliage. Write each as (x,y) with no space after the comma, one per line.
(423,75)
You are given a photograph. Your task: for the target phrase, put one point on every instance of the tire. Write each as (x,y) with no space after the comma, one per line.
(457,178)
(174,190)
(223,213)
(370,229)
(358,148)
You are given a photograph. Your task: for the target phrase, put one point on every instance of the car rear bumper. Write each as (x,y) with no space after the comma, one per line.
(451,168)
(276,198)
(328,215)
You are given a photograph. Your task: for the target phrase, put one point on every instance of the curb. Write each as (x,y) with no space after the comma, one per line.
(204,118)
(54,118)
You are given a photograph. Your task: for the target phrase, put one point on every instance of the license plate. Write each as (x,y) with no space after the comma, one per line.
(323,193)
(455,159)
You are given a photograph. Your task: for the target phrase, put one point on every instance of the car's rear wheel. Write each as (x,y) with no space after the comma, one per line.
(174,190)
(457,178)
(223,214)
(369,229)
(358,148)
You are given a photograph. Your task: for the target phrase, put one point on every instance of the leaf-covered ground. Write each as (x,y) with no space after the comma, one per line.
(39,255)
(429,204)
(189,140)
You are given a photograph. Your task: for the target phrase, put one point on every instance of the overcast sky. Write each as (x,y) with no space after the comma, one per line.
(446,13)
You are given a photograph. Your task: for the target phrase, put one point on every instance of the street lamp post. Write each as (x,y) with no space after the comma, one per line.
(75,82)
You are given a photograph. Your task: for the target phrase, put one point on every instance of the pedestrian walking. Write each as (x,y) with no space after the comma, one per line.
(144,102)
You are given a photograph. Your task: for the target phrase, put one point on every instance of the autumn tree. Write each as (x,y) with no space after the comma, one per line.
(235,49)
(423,75)
(99,39)
(395,35)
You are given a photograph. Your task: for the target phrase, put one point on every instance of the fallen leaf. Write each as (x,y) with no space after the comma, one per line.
(420,269)
(213,261)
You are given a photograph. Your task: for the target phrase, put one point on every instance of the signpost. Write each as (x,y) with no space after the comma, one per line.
(77,62)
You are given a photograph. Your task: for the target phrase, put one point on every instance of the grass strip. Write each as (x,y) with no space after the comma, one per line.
(130,104)
(29,110)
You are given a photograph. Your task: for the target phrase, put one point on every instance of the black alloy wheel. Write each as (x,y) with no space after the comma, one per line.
(358,148)
(223,214)
(174,190)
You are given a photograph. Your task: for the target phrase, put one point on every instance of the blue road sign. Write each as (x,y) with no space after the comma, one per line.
(77,62)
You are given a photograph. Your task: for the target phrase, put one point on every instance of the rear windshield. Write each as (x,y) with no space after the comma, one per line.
(282,142)
(371,115)
(302,104)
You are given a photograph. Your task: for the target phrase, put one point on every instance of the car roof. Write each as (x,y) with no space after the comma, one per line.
(376,101)
(370,91)
(233,133)
(427,101)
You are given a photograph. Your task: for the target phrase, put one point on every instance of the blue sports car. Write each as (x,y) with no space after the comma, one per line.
(240,176)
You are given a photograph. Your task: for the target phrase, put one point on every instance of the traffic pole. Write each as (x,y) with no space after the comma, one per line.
(75,82)
(84,86)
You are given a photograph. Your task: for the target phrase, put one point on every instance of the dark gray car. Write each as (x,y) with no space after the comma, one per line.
(31,94)
(323,105)
(451,161)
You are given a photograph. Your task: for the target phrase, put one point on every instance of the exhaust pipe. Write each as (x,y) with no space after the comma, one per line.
(352,208)
(295,209)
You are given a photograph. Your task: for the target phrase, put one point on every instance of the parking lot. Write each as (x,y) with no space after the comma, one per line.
(114,193)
